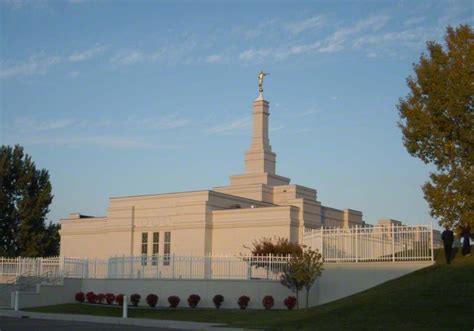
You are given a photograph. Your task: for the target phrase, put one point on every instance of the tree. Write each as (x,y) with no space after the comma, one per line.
(302,272)
(25,196)
(288,279)
(437,123)
(277,247)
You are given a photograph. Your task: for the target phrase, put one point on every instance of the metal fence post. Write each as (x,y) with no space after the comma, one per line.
(125,307)
(322,241)
(432,248)
(16,304)
(357,243)
(393,242)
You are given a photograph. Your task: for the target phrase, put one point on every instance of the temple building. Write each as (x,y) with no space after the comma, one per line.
(223,220)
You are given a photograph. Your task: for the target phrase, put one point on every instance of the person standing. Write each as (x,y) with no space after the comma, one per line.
(448,238)
(466,235)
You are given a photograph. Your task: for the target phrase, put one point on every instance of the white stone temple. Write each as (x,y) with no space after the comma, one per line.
(256,204)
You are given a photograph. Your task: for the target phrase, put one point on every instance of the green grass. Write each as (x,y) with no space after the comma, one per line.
(440,297)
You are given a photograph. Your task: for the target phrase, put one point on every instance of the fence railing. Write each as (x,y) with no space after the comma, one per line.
(337,245)
(154,266)
(372,244)
(29,266)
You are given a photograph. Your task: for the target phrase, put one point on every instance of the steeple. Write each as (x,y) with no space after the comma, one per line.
(260,161)
(259,158)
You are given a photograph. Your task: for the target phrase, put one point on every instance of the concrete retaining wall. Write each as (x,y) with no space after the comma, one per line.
(337,281)
(47,295)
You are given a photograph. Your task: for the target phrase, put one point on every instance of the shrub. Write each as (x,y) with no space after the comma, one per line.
(243,301)
(290,302)
(91,297)
(193,300)
(174,301)
(268,302)
(218,300)
(152,300)
(80,296)
(100,298)
(135,299)
(109,298)
(119,299)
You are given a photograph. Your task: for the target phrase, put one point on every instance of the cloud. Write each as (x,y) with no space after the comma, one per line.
(14,4)
(71,132)
(234,125)
(408,37)
(87,54)
(254,54)
(414,20)
(168,122)
(306,24)
(214,58)
(98,140)
(74,74)
(35,65)
(276,128)
(29,124)
(340,39)
(128,57)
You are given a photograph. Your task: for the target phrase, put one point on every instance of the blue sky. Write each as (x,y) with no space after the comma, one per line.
(138,97)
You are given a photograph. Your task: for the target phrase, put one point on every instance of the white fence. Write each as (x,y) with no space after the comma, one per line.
(27,266)
(337,245)
(377,243)
(155,266)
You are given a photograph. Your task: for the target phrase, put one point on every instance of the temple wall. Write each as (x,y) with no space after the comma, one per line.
(234,229)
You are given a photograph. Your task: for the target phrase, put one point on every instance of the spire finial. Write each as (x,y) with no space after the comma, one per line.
(260,76)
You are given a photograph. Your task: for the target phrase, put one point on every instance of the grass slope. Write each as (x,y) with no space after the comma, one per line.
(440,297)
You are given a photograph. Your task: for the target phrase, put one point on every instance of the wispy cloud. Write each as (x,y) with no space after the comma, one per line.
(339,40)
(310,23)
(128,57)
(254,54)
(414,20)
(87,54)
(342,37)
(35,65)
(119,141)
(126,133)
(29,124)
(408,37)
(14,4)
(238,124)
(167,122)
(214,58)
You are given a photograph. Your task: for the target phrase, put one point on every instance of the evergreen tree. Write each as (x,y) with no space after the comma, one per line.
(25,197)
(437,123)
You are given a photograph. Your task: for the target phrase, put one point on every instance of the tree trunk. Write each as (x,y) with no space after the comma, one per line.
(307,297)
(297,300)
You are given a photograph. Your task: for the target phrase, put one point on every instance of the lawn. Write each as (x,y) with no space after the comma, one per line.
(440,297)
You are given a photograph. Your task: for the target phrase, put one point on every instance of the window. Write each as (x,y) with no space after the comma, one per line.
(156,248)
(144,247)
(167,248)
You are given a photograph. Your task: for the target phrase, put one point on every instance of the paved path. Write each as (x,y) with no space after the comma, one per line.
(128,323)
(30,324)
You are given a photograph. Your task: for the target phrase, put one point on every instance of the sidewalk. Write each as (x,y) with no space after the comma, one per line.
(180,325)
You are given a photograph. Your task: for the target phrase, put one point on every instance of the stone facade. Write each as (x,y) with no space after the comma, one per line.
(256,204)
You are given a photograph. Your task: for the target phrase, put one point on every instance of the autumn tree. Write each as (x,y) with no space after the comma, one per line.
(437,122)
(276,247)
(25,196)
(302,272)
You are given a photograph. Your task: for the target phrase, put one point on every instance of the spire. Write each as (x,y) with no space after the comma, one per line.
(259,158)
